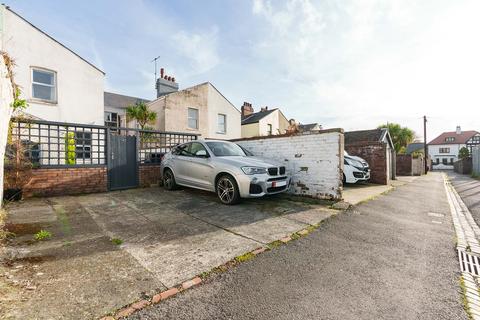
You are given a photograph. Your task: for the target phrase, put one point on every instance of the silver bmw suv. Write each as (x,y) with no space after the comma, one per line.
(222,167)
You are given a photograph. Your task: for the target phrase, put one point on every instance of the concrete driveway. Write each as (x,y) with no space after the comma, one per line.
(108,250)
(360,192)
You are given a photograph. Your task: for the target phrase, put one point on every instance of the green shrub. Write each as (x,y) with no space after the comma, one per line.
(42,235)
(70,154)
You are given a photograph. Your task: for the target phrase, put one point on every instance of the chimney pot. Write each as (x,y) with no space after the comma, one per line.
(246,109)
(162,71)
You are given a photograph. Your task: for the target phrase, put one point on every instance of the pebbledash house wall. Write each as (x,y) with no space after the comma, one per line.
(315,160)
(53,181)
(375,154)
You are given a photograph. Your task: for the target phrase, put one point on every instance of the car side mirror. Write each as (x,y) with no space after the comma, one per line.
(202,154)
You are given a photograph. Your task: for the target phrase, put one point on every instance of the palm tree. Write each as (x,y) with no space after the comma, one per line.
(140,112)
(401,136)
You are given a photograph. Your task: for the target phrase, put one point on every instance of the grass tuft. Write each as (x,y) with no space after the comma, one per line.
(117,241)
(42,235)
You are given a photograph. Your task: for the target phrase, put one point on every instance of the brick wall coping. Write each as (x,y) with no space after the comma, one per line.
(286,135)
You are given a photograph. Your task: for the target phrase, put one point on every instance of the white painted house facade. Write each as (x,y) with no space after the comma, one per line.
(57,83)
(444,149)
(201,109)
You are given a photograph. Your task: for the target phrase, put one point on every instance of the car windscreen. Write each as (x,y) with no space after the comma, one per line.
(225,149)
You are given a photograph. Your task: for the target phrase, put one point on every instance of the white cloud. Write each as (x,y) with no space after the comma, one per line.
(356,64)
(200,49)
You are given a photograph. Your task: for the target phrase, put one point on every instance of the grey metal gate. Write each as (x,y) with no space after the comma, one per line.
(122,162)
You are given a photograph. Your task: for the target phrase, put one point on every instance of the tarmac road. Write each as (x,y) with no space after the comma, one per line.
(390,258)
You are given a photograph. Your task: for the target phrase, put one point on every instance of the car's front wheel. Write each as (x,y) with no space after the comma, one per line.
(169,180)
(227,190)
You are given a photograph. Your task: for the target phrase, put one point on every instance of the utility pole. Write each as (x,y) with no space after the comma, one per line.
(425,150)
(155,80)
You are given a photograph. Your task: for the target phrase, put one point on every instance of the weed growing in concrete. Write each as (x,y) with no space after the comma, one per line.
(245,257)
(117,241)
(42,235)
(466,307)
(275,244)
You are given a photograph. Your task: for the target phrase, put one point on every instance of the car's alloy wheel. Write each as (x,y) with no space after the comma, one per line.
(227,190)
(169,180)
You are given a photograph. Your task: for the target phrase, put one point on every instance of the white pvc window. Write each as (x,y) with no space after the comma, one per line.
(192,118)
(44,85)
(222,123)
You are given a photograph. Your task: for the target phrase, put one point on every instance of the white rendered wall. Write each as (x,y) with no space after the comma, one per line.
(314,160)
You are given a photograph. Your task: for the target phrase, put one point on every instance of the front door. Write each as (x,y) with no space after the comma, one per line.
(122,162)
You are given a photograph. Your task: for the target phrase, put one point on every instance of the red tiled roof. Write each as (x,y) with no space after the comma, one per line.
(461,138)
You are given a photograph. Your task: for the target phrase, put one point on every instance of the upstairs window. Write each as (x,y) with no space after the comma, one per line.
(112,119)
(44,85)
(193,118)
(449,139)
(444,150)
(222,123)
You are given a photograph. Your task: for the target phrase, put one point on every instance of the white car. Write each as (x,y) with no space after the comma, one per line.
(354,169)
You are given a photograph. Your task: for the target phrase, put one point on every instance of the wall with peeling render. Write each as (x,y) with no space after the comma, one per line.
(315,160)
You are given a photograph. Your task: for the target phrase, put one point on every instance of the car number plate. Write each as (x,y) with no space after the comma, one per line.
(279,183)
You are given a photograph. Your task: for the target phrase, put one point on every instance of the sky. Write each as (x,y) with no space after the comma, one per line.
(353,64)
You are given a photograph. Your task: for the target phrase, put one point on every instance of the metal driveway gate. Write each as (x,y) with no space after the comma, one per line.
(122,162)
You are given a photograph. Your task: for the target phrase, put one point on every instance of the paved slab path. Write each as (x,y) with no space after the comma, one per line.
(390,258)
(469,189)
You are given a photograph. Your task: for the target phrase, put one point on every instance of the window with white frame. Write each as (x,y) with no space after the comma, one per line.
(222,123)
(83,144)
(270,129)
(44,85)
(193,118)
(112,119)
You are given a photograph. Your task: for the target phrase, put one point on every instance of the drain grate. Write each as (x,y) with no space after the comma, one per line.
(469,263)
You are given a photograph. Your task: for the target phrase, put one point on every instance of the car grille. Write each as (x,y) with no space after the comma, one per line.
(358,174)
(275,171)
(276,189)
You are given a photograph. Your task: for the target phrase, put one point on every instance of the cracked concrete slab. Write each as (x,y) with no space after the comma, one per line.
(162,239)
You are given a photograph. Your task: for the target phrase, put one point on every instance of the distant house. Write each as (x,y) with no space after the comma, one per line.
(415,147)
(58,84)
(201,109)
(309,127)
(376,147)
(115,106)
(265,122)
(444,149)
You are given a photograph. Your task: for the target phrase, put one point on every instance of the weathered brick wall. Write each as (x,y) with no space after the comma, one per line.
(66,181)
(315,160)
(149,175)
(404,165)
(375,154)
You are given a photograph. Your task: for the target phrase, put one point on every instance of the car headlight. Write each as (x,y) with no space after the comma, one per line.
(254,170)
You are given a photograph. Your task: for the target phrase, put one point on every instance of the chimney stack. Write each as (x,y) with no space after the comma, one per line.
(459,130)
(247,109)
(263,109)
(165,84)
